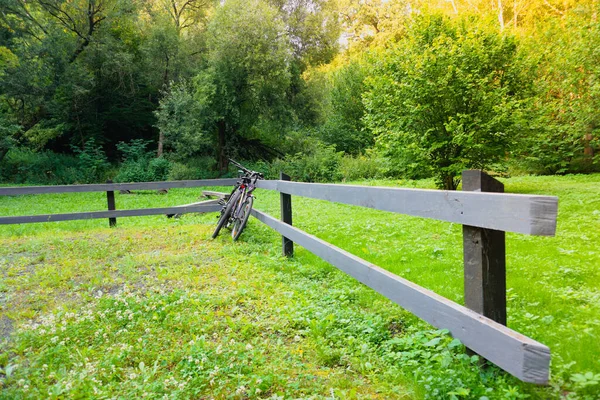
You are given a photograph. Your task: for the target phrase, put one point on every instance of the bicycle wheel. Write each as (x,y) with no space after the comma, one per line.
(226,214)
(240,223)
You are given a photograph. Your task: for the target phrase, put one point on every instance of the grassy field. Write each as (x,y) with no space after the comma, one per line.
(155,309)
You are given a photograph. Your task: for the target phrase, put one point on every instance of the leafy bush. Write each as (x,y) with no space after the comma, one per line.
(179,120)
(451,96)
(47,168)
(322,165)
(344,125)
(139,165)
(194,168)
(360,167)
(92,162)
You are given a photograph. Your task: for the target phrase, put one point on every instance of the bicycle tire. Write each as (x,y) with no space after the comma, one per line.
(240,223)
(226,213)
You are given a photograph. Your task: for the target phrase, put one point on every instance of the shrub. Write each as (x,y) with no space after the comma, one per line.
(40,168)
(450,96)
(194,168)
(92,162)
(139,165)
(360,167)
(322,165)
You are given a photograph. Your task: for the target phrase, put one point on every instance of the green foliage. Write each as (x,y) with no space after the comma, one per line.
(92,162)
(40,168)
(245,81)
(567,128)
(321,164)
(194,168)
(360,167)
(449,97)
(343,125)
(140,165)
(178,119)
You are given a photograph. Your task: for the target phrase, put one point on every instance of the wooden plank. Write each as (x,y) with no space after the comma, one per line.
(214,201)
(287,246)
(519,355)
(110,197)
(105,187)
(534,215)
(221,195)
(484,255)
(202,208)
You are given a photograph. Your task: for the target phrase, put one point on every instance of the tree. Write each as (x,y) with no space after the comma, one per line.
(448,97)
(342,123)
(374,22)
(246,78)
(567,138)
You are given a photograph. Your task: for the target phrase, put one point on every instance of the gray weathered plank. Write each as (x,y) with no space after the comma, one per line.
(105,187)
(205,202)
(201,208)
(519,355)
(534,215)
(221,195)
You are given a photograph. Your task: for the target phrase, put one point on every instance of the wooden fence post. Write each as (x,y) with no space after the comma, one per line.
(286,216)
(484,253)
(110,197)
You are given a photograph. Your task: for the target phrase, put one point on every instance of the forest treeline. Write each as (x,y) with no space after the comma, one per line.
(324,89)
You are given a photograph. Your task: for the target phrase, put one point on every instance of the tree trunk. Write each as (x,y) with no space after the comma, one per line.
(450,183)
(588,150)
(161,141)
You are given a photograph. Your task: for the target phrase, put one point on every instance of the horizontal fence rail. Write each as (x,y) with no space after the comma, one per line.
(519,355)
(533,215)
(106,187)
(29,219)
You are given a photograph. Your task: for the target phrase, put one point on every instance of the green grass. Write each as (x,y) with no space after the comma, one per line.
(155,308)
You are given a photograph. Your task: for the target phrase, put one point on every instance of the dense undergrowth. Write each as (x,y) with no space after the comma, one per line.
(155,309)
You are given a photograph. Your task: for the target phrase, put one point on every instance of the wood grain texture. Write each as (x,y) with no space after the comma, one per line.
(105,187)
(201,208)
(534,215)
(484,255)
(519,355)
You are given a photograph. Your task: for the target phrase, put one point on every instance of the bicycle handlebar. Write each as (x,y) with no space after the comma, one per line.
(246,170)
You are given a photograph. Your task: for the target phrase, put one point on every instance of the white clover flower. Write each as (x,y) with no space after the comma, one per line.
(249,346)
(241,390)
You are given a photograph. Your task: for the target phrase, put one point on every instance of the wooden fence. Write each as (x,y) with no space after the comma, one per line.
(483,210)
(485,213)
(110,188)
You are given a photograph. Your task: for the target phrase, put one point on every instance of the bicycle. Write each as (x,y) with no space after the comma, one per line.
(236,210)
